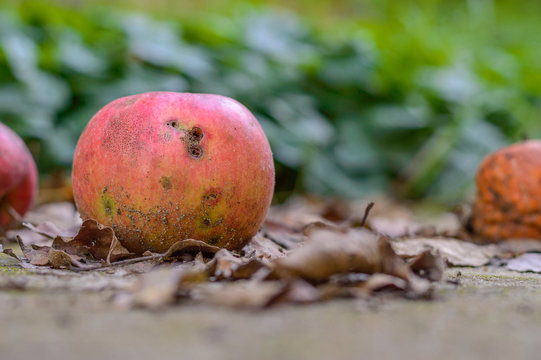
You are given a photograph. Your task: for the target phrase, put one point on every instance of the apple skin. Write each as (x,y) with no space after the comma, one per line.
(160,167)
(18,176)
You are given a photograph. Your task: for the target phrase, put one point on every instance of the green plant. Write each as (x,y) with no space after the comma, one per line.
(409,98)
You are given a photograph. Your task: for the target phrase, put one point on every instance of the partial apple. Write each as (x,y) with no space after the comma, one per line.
(18,177)
(162,166)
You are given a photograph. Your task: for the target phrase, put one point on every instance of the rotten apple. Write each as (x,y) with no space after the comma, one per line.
(508,200)
(18,177)
(162,166)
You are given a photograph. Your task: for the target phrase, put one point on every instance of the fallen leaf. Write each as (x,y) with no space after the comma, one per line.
(190,245)
(456,252)
(429,265)
(297,291)
(157,288)
(35,255)
(223,264)
(379,282)
(329,251)
(263,248)
(239,294)
(526,262)
(247,269)
(162,286)
(93,240)
(282,234)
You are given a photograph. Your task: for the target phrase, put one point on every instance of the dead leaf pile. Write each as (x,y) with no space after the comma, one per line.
(331,262)
(305,253)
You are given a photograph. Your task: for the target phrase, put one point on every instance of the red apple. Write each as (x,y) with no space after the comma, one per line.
(162,166)
(18,176)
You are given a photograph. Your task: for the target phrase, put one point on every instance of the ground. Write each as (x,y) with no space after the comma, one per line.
(492,313)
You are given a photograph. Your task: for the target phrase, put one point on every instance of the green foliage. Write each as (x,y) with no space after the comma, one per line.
(408,99)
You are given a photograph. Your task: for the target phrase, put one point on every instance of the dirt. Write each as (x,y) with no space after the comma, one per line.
(492,313)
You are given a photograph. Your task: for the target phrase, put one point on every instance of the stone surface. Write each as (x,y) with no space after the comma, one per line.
(492,314)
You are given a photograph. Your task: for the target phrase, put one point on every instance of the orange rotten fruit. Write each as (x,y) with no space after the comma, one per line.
(508,201)
(162,166)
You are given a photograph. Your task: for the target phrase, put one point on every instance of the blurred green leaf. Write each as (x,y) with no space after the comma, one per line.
(412,94)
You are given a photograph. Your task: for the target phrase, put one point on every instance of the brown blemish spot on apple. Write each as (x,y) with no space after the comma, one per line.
(195,151)
(165,181)
(195,135)
(211,198)
(214,240)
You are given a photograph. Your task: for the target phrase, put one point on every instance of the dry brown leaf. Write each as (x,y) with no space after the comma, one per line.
(288,262)
(263,248)
(247,269)
(239,294)
(284,235)
(162,286)
(223,264)
(95,241)
(36,255)
(158,288)
(429,265)
(297,291)
(379,282)
(190,246)
(456,252)
(329,251)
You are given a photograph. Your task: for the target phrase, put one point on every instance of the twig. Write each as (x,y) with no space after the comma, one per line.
(14,213)
(366,213)
(121,263)
(21,245)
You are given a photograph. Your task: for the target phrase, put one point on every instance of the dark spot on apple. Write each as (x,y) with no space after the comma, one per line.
(206,222)
(118,212)
(172,123)
(214,240)
(165,181)
(211,198)
(195,135)
(195,151)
